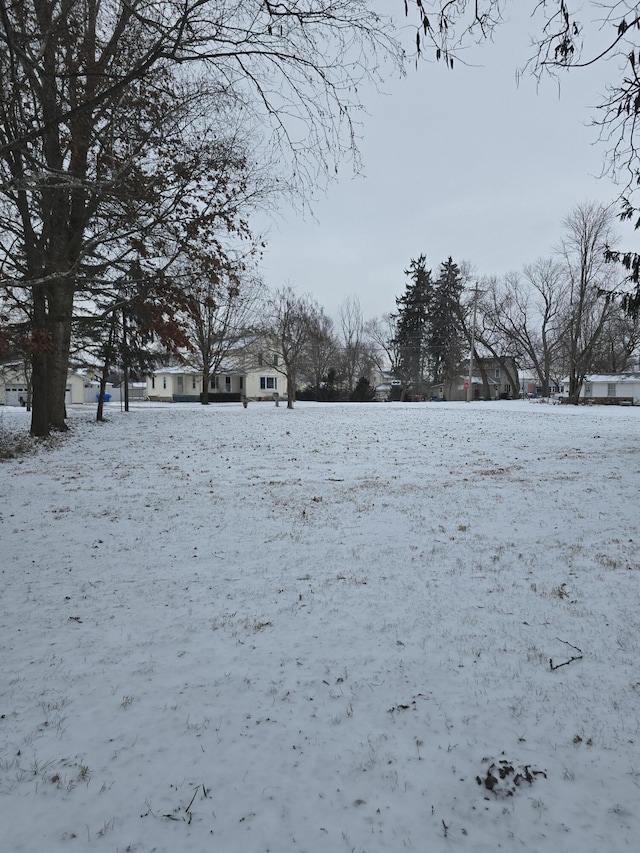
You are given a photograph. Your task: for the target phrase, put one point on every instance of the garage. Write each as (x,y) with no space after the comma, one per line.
(13,393)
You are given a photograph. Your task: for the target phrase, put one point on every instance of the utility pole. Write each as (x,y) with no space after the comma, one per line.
(473,344)
(125,359)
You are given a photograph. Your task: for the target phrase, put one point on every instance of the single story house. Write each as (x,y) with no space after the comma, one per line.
(183,384)
(608,389)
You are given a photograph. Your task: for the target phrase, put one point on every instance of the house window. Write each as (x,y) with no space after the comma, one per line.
(588,391)
(214,383)
(153,381)
(227,384)
(268,383)
(164,381)
(497,373)
(242,383)
(180,384)
(275,359)
(611,389)
(193,383)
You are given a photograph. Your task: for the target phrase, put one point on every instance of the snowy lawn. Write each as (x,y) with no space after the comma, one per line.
(359,628)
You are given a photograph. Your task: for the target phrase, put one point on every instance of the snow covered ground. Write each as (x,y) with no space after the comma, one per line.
(359,628)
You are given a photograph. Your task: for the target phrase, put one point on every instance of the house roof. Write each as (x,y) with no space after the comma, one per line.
(178,369)
(613,377)
(188,370)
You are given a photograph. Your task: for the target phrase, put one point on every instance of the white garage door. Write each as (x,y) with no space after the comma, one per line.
(13,393)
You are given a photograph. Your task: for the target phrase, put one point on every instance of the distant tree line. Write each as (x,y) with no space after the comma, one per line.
(559,317)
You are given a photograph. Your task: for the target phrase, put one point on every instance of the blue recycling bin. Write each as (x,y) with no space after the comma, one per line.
(106,397)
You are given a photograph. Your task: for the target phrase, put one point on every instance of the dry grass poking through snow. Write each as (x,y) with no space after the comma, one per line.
(364,628)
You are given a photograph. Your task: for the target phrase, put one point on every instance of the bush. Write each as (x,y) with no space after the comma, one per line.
(324,394)
(363,392)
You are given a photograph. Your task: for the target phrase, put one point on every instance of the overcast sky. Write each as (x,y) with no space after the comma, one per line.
(464,163)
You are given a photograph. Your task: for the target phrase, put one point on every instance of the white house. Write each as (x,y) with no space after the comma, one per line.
(167,383)
(183,384)
(608,388)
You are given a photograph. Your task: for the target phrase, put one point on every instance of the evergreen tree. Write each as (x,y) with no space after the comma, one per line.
(446,333)
(414,326)
(363,392)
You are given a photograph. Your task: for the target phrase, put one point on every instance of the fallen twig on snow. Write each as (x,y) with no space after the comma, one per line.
(564,663)
(571,659)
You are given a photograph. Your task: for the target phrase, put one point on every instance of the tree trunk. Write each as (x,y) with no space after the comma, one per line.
(108,357)
(205,386)
(101,392)
(483,375)
(575,385)
(513,378)
(59,326)
(291,390)
(39,366)
(125,379)
(39,412)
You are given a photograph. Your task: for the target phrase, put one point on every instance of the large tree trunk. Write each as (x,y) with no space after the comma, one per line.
(575,386)
(59,324)
(486,390)
(513,378)
(39,366)
(39,412)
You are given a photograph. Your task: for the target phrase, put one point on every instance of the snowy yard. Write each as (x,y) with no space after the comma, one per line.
(339,629)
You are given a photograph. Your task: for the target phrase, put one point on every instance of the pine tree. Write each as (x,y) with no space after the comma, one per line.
(414,326)
(446,334)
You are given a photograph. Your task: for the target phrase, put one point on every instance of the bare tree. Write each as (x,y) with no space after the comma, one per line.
(618,348)
(218,314)
(322,350)
(587,230)
(355,355)
(528,310)
(71,71)
(382,335)
(289,324)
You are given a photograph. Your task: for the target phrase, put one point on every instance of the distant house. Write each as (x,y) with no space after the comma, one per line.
(493,379)
(529,385)
(264,367)
(608,389)
(81,388)
(386,386)
(176,384)
(231,383)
